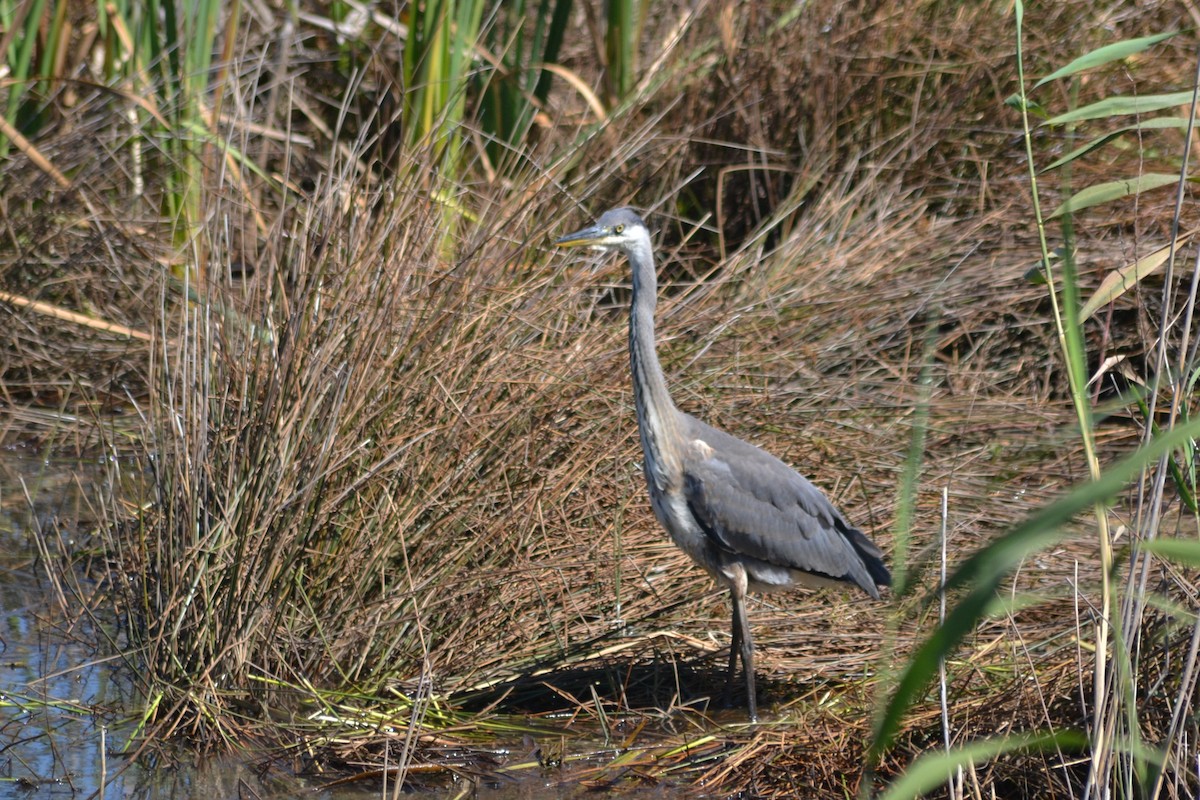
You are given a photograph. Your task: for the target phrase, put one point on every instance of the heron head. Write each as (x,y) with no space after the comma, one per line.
(618,229)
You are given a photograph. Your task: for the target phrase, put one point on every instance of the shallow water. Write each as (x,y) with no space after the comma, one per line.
(50,733)
(68,702)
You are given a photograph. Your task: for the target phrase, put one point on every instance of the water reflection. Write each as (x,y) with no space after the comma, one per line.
(63,692)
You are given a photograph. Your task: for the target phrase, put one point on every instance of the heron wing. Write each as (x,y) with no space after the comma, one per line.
(750,503)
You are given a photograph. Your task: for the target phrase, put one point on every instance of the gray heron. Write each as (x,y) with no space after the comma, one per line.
(751,521)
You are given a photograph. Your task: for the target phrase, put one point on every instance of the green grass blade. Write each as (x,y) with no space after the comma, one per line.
(1183,483)
(1123,106)
(19,59)
(931,770)
(621,46)
(1106,55)
(1157,123)
(911,476)
(1181,551)
(1113,190)
(549,49)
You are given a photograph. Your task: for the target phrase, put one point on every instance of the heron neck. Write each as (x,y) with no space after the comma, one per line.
(656,413)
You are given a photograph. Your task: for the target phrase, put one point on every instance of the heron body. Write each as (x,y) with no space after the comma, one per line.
(747,518)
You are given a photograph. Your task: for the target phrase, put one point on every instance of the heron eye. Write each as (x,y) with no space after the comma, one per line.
(620,229)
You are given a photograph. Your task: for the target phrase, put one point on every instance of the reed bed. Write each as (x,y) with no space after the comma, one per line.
(394,526)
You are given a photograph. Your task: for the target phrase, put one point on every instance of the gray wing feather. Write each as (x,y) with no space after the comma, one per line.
(751,503)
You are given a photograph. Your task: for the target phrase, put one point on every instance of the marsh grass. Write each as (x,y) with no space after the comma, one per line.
(395,508)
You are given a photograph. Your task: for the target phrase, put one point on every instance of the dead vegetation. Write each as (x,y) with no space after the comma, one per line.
(396,506)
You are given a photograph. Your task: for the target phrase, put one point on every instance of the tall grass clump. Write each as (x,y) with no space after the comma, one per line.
(330,465)
(353,441)
(330,426)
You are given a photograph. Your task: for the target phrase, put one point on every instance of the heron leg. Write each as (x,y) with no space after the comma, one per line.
(741,635)
(735,645)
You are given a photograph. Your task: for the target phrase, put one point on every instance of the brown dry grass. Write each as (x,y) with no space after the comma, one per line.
(418,484)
